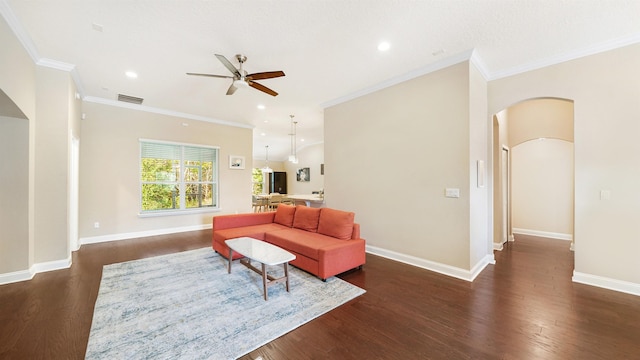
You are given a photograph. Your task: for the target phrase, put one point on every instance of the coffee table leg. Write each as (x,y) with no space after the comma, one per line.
(286,274)
(264,281)
(230,259)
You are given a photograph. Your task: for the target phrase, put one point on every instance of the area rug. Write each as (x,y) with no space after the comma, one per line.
(187,306)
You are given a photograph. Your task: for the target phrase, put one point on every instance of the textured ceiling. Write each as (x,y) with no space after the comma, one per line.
(326,48)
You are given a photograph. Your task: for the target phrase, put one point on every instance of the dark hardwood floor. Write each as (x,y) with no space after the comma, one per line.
(524,307)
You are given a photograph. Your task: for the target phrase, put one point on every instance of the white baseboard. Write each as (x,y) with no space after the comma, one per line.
(544,234)
(24,275)
(15,276)
(139,234)
(607,283)
(468,275)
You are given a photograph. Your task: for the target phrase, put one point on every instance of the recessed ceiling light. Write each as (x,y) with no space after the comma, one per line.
(263,134)
(131,74)
(97,27)
(261,107)
(384,46)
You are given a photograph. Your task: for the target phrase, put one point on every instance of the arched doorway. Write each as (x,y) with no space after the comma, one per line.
(533,172)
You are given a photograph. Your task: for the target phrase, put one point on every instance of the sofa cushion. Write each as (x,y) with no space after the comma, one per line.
(336,223)
(254,231)
(284,215)
(301,242)
(306,218)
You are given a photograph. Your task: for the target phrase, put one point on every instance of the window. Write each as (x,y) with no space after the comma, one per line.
(257,177)
(177,177)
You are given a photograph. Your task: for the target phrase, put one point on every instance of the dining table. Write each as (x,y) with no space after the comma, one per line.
(315,200)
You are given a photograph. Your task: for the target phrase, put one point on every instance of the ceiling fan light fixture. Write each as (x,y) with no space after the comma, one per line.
(240,83)
(242,79)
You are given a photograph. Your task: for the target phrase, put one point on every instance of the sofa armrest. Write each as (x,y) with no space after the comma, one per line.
(340,257)
(356,231)
(238,220)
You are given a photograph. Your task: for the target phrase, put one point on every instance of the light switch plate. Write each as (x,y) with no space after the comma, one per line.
(452,193)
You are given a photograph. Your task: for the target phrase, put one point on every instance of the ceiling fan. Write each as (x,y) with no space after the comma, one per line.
(240,77)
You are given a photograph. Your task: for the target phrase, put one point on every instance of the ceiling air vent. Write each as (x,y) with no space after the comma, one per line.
(130,99)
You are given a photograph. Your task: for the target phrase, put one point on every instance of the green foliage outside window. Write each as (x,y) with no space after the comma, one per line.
(175,177)
(257,181)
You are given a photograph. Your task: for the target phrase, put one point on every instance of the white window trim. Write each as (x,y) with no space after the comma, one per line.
(173,212)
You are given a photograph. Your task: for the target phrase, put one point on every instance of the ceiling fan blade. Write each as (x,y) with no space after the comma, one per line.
(231,89)
(262,88)
(265,75)
(212,75)
(228,65)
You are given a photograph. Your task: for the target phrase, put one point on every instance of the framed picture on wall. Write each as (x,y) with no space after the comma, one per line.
(302,174)
(236,162)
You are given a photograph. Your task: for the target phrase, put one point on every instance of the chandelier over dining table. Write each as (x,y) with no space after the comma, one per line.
(293,157)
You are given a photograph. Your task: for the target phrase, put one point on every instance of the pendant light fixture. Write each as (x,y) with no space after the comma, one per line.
(266,168)
(293,157)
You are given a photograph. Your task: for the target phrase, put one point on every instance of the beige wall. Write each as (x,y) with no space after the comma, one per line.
(14,194)
(311,157)
(109,169)
(389,156)
(540,118)
(47,98)
(605,91)
(479,174)
(500,141)
(542,191)
(52,165)
(15,63)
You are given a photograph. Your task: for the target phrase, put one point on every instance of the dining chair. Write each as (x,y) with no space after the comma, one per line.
(259,204)
(286,200)
(275,199)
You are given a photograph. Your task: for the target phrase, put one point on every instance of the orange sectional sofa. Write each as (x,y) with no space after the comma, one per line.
(326,241)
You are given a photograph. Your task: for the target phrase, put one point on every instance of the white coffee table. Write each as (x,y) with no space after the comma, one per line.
(265,254)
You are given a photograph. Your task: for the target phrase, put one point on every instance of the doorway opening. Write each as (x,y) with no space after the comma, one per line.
(534,171)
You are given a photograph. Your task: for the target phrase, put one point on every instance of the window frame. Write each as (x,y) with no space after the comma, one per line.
(183,209)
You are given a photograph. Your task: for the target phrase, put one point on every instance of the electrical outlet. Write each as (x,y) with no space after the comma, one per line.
(96,225)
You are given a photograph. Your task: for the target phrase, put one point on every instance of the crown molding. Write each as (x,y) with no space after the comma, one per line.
(155,110)
(479,64)
(18,30)
(31,49)
(55,64)
(568,56)
(63,66)
(439,65)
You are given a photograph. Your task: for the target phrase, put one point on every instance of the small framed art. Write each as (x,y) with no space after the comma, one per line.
(236,162)
(303,174)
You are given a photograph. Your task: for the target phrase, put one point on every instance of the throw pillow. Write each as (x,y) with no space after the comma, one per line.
(284,215)
(306,218)
(336,223)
